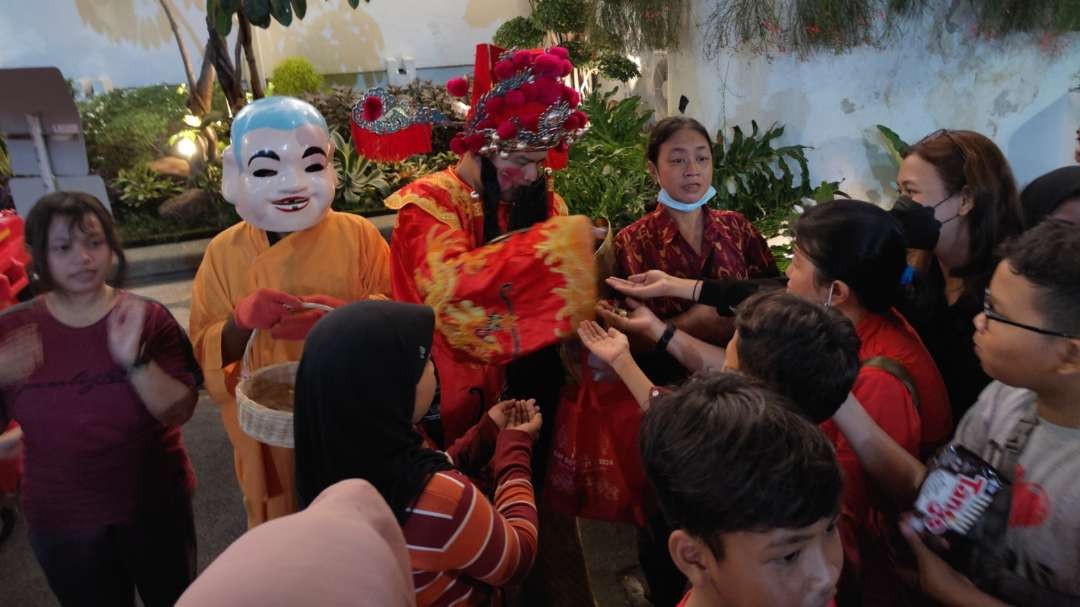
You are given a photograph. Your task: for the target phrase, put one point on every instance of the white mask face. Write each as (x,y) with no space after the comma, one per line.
(287,180)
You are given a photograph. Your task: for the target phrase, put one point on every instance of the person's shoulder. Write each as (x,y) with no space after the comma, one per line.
(18,314)
(352,222)
(229,238)
(733,218)
(996,411)
(156,312)
(639,225)
(445,497)
(432,182)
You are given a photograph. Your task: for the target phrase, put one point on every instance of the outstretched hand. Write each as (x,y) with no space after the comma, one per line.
(608,345)
(526,417)
(639,320)
(652,284)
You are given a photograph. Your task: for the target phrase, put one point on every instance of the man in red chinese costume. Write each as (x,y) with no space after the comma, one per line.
(488,243)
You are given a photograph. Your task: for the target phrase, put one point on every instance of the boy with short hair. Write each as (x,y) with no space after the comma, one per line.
(1028,340)
(752,490)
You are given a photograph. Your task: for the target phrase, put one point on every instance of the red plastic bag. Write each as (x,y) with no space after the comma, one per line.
(595,467)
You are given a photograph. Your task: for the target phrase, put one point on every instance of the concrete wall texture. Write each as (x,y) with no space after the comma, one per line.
(934,74)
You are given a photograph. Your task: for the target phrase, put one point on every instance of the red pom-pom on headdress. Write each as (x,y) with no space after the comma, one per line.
(507,130)
(515,99)
(559,52)
(504,69)
(458,87)
(572,97)
(547,65)
(495,105)
(373,108)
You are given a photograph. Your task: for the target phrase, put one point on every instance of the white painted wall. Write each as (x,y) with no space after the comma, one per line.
(130,43)
(1014,91)
(126,41)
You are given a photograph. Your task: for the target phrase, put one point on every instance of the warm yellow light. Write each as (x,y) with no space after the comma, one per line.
(186,148)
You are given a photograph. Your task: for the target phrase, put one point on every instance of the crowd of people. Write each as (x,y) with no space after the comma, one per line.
(792,428)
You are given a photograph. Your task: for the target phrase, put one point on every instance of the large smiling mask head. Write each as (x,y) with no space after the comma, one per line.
(279,170)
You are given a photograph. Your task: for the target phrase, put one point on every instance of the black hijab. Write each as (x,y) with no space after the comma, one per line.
(355,395)
(1044,195)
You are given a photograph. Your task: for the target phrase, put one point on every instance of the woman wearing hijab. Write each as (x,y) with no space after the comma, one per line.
(345,550)
(365,380)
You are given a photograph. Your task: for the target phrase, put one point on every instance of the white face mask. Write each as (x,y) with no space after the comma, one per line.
(287,180)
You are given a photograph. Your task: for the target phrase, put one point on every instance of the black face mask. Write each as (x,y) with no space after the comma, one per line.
(920,227)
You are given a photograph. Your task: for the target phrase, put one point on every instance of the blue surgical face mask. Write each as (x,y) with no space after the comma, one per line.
(665,199)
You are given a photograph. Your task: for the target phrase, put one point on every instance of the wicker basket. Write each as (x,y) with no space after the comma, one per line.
(272,425)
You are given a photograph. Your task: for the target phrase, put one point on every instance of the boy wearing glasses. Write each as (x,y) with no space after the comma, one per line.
(1028,340)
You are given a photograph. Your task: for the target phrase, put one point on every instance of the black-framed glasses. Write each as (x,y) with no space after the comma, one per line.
(948,134)
(988,311)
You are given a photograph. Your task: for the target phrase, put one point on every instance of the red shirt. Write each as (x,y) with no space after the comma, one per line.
(94,454)
(731,247)
(891,407)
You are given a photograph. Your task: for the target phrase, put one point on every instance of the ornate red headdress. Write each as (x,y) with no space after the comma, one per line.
(519,103)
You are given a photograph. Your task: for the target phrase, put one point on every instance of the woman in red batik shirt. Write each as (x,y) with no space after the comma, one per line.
(100,381)
(684,237)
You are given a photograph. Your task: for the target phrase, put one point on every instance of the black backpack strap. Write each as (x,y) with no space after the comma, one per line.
(897,370)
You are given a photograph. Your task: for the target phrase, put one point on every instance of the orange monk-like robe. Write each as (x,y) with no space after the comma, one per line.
(343,256)
(492,302)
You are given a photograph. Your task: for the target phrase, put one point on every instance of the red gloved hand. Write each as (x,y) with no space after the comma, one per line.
(296,325)
(263,309)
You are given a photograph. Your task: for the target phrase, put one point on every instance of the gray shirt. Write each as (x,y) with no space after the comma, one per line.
(1043,538)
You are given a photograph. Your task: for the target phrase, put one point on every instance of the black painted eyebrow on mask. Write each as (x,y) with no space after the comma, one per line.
(264,154)
(311,151)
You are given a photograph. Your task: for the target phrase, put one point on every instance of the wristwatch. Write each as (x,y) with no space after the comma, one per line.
(662,343)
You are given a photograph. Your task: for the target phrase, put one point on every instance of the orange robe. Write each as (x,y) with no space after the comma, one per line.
(343,256)
(492,302)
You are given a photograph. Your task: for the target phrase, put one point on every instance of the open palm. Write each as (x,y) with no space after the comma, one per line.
(608,345)
(125,330)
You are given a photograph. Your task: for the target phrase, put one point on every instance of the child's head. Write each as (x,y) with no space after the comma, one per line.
(751,488)
(1055,194)
(1029,333)
(850,254)
(680,158)
(72,243)
(800,349)
(365,378)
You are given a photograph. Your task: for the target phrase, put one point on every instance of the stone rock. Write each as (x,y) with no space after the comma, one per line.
(171,166)
(189,206)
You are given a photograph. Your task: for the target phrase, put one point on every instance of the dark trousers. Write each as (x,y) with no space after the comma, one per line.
(106,565)
(538,375)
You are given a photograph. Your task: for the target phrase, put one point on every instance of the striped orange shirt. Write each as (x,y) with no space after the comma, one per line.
(461,546)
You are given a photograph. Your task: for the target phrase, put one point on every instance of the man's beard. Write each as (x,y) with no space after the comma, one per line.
(529,202)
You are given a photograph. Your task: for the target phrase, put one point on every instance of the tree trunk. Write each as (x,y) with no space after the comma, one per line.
(180,44)
(201,99)
(217,51)
(244,37)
